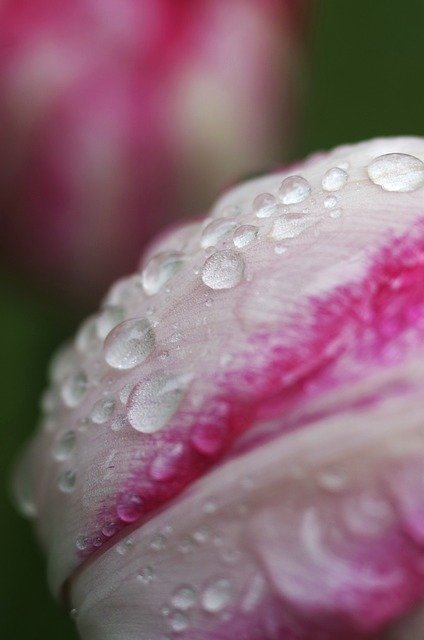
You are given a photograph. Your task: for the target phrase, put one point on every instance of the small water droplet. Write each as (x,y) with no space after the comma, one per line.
(178,622)
(130,507)
(66,482)
(129,344)
(290,225)
(215,231)
(184,598)
(73,614)
(336,213)
(217,595)
(167,462)
(210,506)
(294,189)
(334,179)
(160,269)
(108,319)
(102,411)
(330,202)
(82,542)
(223,270)
(159,542)
(24,489)
(264,205)
(109,529)
(154,400)
(146,575)
(333,481)
(124,546)
(74,389)
(86,340)
(186,545)
(65,445)
(208,438)
(244,235)
(397,172)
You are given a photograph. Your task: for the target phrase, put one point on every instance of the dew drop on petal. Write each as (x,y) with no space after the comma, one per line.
(330,202)
(65,445)
(130,507)
(160,269)
(178,622)
(146,575)
(109,529)
(183,598)
(66,482)
(216,230)
(74,389)
(223,270)
(264,205)
(397,172)
(129,344)
(290,225)
(153,401)
(216,595)
(108,319)
(166,463)
(294,189)
(244,235)
(102,411)
(334,179)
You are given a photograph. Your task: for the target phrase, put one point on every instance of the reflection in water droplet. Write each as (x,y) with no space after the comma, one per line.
(264,205)
(334,179)
(129,344)
(223,270)
(216,595)
(294,189)
(160,269)
(244,235)
(397,172)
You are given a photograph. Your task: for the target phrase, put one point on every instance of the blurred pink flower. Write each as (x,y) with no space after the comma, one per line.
(117,116)
(233,446)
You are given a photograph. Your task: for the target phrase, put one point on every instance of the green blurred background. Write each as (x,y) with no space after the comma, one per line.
(364,79)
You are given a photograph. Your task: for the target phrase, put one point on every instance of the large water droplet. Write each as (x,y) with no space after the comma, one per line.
(129,344)
(66,482)
(74,389)
(154,400)
(264,205)
(160,269)
(183,598)
(102,411)
(294,189)
(244,235)
(65,445)
(223,270)
(334,179)
(217,595)
(216,230)
(108,319)
(397,172)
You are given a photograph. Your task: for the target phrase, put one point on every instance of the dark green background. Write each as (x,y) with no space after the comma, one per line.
(365,78)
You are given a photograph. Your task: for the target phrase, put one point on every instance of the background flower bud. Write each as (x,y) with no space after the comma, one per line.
(118,116)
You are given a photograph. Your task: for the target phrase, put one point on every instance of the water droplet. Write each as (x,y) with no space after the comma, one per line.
(167,462)
(118,422)
(62,363)
(336,213)
(160,269)
(109,529)
(146,575)
(154,400)
(244,235)
(102,411)
(201,535)
(208,438)
(74,389)
(129,344)
(184,598)
(334,179)
(397,172)
(86,340)
(159,542)
(130,507)
(216,230)
(178,622)
(65,445)
(210,506)
(264,205)
(109,318)
(333,481)
(330,202)
(24,489)
(82,542)
(217,595)
(124,546)
(290,225)
(66,482)
(294,189)
(223,270)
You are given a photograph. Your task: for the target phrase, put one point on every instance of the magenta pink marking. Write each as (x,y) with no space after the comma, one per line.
(299,359)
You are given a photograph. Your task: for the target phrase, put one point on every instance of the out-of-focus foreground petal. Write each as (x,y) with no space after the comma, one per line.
(117,116)
(233,446)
